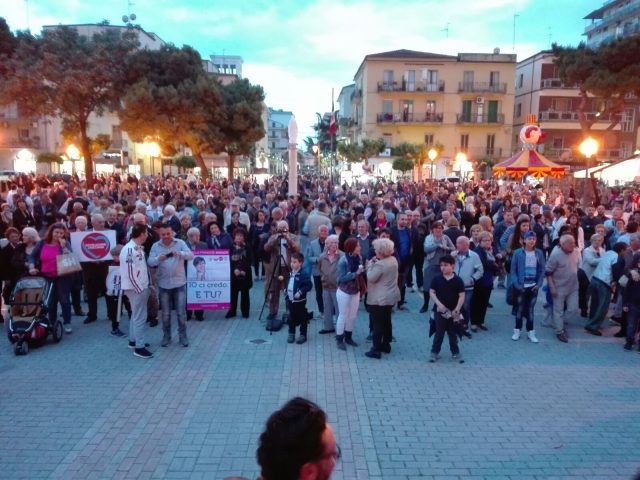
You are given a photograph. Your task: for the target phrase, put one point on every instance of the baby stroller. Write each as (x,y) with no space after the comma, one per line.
(27,315)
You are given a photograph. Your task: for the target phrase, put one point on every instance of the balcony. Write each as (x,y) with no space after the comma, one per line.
(404,86)
(25,142)
(617,14)
(482,87)
(554,83)
(478,153)
(356,94)
(408,117)
(557,116)
(480,119)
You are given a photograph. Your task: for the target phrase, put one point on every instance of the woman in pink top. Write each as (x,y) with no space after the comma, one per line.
(43,261)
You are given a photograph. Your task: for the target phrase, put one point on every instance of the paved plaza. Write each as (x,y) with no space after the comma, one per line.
(88,409)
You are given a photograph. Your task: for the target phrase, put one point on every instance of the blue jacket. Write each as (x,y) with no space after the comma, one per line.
(517,268)
(301,284)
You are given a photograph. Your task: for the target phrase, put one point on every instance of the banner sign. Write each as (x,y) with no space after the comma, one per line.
(209,280)
(93,246)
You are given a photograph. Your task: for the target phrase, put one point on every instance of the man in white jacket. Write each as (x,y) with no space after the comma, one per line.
(135,284)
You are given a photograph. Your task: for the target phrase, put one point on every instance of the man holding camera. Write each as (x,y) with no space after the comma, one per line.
(169,255)
(280,246)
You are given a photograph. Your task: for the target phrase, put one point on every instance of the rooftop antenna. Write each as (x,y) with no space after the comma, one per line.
(515,17)
(446,30)
(550,34)
(130,17)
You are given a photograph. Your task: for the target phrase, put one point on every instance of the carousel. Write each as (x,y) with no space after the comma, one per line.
(529,162)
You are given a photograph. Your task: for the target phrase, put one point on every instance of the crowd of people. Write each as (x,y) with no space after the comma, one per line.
(352,245)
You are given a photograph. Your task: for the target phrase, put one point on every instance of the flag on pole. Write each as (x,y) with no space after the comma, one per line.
(332,125)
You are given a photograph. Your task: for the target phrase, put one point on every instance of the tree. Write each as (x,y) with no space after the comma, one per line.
(309,143)
(184,162)
(70,76)
(351,152)
(174,102)
(323,137)
(50,158)
(403,164)
(609,72)
(242,105)
(370,148)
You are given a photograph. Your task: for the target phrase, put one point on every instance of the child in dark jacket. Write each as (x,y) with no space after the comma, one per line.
(297,288)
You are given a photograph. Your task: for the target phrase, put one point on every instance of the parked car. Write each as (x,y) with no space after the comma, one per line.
(6,174)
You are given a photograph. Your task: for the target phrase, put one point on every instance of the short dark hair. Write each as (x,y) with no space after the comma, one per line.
(198,260)
(292,437)
(448,259)
(297,256)
(137,230)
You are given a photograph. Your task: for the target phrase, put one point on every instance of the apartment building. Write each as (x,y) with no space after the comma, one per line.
(540,92)
(615,19)
(463,102)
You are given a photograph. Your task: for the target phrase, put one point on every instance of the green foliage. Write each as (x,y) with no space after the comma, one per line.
(323,138)
(309,143)
(184,161)
(403,164)
(609,72)
(371,148)
(70,76)
(49,157)
(351,152)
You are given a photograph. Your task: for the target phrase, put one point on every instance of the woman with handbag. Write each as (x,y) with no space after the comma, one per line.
(52,258)
(349,271)
(382,285)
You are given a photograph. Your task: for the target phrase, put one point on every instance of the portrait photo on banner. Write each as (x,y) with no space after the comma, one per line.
(209,280)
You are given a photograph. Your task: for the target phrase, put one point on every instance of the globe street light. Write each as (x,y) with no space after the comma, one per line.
(432,154)
(461,162)
(73,154)
(589,147)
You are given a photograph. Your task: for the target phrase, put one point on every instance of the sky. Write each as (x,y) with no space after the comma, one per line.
(298,50)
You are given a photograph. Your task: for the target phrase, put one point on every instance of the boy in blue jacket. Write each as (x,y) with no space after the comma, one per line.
(297,288)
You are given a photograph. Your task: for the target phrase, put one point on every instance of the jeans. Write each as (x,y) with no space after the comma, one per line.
(178,297)
(445,325)
(526,304)
(347,311)
(330,303)
(60,293)
(152,301)
(600,294)
(417,261)
(380,316)
(138,318)
(632,322)
(317,285)
(466,306)
(560,313)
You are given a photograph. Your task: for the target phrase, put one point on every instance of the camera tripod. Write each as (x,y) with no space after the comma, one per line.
(281,265)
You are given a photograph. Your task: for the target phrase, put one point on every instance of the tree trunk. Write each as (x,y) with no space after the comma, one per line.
(85,148)
(231,160)
(204,172)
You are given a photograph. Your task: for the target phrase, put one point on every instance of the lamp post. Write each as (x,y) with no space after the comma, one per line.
(316,152)
(461,160)
(293,156)
(432,154)
(589,147)
(74,154)
(153,150)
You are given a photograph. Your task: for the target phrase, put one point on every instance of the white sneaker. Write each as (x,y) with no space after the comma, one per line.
(68,329)
(532,336)
(516,334)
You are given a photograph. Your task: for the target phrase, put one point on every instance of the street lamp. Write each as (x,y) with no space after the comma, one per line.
(461,163)
(153,150)
(588,147)
(73,154)
(316,152)
(432,154)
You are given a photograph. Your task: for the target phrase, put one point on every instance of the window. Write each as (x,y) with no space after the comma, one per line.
(387,138)
(558,143)
(23,133)
(428,139)
(625,149)
(273,145)
(464,142)
(466,111)
(387,106)
(410,80)
(518,110)
(387,80)
(467,81)
(430,114)
(273,124)
(430,78)
(494,79)
(491,143)
(406,107)
(560,104)
(520,80)
(626,124)
(492,111)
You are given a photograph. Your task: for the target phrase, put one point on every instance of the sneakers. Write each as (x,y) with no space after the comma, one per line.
(324,331)
(373,354)
(67,328)
(516,334)
(133,345)
(531,335)
(593,331)
(562,336)
(88,320)
(166,340)
(301,339)
(184,341)
(117,333)
(291,338)
(142,353)
(433,358)
(457,358)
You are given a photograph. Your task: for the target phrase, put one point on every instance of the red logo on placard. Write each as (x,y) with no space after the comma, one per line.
(95,246)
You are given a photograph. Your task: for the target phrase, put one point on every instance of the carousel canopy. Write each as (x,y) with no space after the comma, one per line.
(529,163)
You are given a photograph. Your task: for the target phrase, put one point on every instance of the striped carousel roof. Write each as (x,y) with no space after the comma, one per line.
(528,162)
